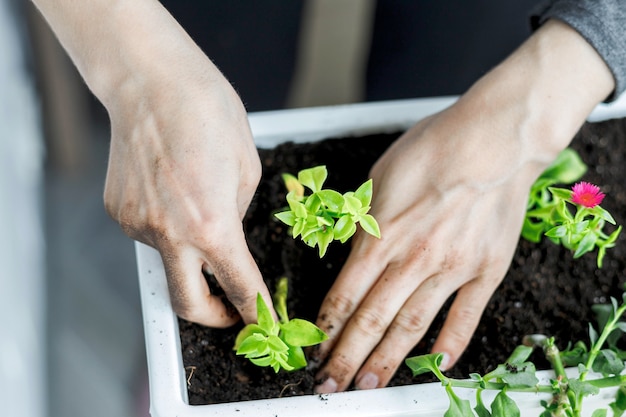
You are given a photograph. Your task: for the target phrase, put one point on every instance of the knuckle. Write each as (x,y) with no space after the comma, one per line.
(412,322)
(369,322)
(340,304)
(342,366)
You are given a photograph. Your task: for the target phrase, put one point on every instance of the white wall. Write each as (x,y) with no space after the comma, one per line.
(22,337)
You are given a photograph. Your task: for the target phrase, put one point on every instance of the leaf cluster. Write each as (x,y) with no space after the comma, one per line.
(277,344)
(548,212)
(325,215)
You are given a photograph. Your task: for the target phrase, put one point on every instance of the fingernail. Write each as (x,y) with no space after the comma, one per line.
(369,380)
(326,387)
(445,361)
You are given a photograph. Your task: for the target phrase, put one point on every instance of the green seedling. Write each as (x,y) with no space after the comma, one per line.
(277,344)
(548,211)
(325,215)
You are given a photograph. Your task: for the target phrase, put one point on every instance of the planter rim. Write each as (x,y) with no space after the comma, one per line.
(168,391)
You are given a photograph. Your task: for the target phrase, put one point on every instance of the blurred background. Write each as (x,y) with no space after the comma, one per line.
(70,315)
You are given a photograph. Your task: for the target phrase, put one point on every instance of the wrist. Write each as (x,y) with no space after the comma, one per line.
(547,88)
(129,49)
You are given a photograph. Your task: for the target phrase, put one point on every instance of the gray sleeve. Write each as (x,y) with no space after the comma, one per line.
(601,22)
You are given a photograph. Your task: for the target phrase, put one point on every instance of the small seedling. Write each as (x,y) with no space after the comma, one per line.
(325,215)
(277,344)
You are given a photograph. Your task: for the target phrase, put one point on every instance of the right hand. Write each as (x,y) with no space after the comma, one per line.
(183,166)
(182,171)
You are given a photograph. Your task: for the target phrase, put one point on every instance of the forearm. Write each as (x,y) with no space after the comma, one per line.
(549,85)
(122,46)
(519,116)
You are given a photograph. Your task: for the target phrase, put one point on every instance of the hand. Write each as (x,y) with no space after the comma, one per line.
(183,166)
(182,171)
(450,215)
(450,198)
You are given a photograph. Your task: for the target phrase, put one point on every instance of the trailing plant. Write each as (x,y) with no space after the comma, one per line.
(548,210)
(517,374)
(325,215)
(277,344)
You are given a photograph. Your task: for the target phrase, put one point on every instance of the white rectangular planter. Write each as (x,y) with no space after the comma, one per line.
(168,390)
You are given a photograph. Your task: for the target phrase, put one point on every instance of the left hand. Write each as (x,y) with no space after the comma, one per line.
(450,198)
(450,214)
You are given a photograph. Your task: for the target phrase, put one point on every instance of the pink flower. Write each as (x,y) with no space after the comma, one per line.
(587,195)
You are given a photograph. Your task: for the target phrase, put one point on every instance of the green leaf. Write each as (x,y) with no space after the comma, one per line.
(298,332)
(480,408)
(583,388)
(567,168)
(580,227)
(331,199)
(364,193)
(370,225)
(296,358)
(247,331)
(520,355)
(620,398)
(516,375)
(313,178)
(254,345)
(561,193)
(298,228)
(613,237)
(586,244)
(607,362)
(264,316)
(344,229)
(276,344)
(603,214)
(424,363)
(599,413)
(504,406)
(287,217)
(557,232)
(292,184)
(532,231)
(262,361)
(458,407)
(323,240)
(593,335)
(296,205)
(561,213)
(351,204)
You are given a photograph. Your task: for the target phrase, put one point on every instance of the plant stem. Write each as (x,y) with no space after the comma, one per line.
(595,349)
(280,300)
(554,357)
(606,382)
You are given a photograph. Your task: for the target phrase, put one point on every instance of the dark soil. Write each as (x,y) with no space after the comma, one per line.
(545,290)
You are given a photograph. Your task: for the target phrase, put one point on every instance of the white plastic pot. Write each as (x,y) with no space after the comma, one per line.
(168,390)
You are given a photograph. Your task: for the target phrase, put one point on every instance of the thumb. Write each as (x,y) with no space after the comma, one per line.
(189,292)
(239,276)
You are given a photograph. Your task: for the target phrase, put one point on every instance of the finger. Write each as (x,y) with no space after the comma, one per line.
(407,329)
(464,315)
(238,274)
(405,315)
(352,284)
(189,292)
